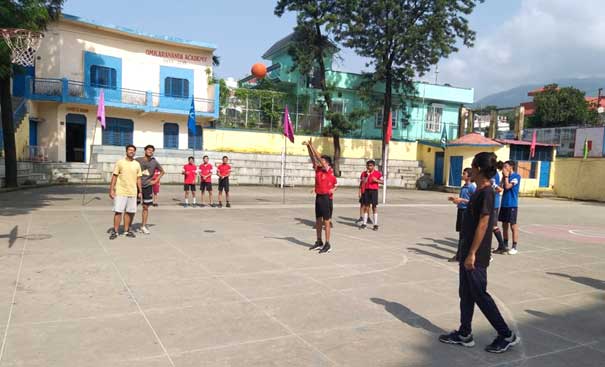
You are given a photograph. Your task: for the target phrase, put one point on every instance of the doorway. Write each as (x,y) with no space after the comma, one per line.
(439,160)
(75,138)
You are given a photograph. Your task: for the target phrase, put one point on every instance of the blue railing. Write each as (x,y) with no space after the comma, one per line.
(64,90)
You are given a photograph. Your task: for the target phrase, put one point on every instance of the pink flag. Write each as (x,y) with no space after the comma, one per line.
(101,108)
(288,130)
(532,148)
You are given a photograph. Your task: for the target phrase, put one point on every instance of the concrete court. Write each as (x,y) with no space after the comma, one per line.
(238,287)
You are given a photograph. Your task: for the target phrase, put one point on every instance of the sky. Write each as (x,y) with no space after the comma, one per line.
(518,41)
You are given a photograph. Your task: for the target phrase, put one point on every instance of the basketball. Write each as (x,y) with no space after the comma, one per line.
(259,70)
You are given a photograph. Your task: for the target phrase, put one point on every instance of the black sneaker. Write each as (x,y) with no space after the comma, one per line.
(325,248)
(220,205)
(501,344)
(359,220)
(501,251)
(363,226)
(456,338)
(317,245)
(113,234)
(228,205)
(375,228)
(130,234)
(155,205)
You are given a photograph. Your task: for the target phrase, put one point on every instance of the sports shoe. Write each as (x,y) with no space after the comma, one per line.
(155,204)
(501,251)
(512,251)
(375,228)
(325,248)
(130,234)
(501,344)
(228,205)
(220,205)
(113,234)
(363,226)
(317,245)
(185,205)
(144,230)
(456,338)
(359,220)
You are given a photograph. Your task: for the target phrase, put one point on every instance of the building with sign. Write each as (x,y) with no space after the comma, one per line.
(149,82)
(432,110)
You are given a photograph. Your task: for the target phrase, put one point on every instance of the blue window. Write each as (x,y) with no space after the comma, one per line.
(171,136)
(103,77)
(522,153)
(175,87)
(198,139)
(118,131)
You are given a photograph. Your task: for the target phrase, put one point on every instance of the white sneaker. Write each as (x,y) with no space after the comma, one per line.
(145,230)
(512,251)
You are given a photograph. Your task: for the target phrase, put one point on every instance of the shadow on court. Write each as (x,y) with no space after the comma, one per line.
(590,282)
(306,222)
(428,253)
(12,236)
(408,316)
(450,242)
(293,240)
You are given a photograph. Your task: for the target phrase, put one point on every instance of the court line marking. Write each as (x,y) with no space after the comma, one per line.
(252,303)
(573,231)
(130,293)
(525,359)
(12,306)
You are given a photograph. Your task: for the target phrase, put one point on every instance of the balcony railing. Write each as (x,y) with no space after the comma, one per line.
(65,90)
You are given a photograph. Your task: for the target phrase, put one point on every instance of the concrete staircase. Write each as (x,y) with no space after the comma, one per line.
(256,169)
(26,174)
(71,172)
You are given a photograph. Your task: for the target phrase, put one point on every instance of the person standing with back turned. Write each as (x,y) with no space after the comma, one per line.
(124,189)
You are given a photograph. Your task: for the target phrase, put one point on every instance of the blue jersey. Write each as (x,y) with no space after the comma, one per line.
(466,191)
(495,183)
(510,197)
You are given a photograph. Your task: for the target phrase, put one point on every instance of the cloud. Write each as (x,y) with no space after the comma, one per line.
(544,40)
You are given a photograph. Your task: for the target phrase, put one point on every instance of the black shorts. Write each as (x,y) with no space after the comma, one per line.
(331,207)
(322,207)
(370,197)
(508,215)
(361,199)
(459,217)
(147,195)
(206,186)
(189,187)
(496,213)
(223,184)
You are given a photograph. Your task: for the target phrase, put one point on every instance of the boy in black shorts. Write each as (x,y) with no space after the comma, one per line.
(189,175)
(371,180)
(223,171)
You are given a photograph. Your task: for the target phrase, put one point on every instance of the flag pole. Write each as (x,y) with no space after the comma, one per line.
(385,173)
(94,132)
(283,171)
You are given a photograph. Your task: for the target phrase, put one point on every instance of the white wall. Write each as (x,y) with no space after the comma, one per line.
(596,134)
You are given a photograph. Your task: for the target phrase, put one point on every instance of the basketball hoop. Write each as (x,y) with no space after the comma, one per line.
(23,44)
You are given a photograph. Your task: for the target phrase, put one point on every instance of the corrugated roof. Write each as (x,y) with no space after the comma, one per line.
(278,46)
(474,139)
(523,142)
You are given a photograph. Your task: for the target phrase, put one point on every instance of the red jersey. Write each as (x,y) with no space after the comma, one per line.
(205,170)
(224,169)
(366,179)
(324,181)
(190,170)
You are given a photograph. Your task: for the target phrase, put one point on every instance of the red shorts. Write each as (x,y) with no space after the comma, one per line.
(156,188)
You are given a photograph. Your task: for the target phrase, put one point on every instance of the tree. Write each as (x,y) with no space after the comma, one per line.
(567,106)
(403,39)
(27,14)
(310,47)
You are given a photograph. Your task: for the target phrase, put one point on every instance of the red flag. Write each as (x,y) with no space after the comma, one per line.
(389,133)
(532,148)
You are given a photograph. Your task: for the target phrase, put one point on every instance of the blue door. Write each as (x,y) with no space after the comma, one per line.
(33,132)
(439,159)
(545,174)
(455,176)
(19,79)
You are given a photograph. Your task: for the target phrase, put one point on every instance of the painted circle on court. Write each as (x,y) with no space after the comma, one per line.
(572,233)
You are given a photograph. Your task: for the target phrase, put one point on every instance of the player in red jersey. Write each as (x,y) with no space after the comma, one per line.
(371,180)
(189,173)
(206,180)
(325,183)
(223,171)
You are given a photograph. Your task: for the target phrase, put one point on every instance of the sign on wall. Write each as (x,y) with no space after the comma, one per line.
(594,136)
(177,56)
